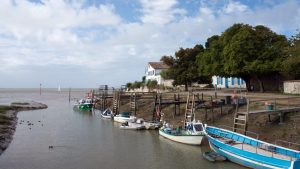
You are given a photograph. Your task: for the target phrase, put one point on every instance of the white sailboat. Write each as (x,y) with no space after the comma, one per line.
(58,89)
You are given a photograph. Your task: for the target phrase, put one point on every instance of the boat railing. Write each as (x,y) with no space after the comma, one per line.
(289,145)
(248,133)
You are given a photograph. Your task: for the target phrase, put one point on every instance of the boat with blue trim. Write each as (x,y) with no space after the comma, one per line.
(193,134)
(251,152)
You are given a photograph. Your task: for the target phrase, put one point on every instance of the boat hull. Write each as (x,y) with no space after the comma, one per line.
(124,119)
(83,107)
(247,158)
(185,139)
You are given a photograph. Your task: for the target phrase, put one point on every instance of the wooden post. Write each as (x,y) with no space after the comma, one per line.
(212,109)
(40,89)
(69,95)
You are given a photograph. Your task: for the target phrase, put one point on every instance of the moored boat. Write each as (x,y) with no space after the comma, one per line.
(251,152)
(193,134)
(124,117)
(107,114)
(152,125)
(84,105)
(137,125)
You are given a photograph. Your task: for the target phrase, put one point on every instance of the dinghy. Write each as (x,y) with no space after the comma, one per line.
(251,152)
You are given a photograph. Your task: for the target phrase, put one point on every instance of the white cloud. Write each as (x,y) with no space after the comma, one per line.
(160,12)
(234,7)
(66,38)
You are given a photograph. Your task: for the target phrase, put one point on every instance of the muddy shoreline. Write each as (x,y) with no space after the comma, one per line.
(9,121)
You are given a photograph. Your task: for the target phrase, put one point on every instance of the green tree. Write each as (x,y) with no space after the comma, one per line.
(151,84)
(183,68)
(292,64)
(244,51)
(129,86)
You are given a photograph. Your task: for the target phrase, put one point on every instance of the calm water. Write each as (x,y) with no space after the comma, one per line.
(84,141)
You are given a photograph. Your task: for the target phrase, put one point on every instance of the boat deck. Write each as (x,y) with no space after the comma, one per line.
(262,150)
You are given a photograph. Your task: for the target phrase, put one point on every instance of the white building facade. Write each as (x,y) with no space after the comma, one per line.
(228,82)
(153,71)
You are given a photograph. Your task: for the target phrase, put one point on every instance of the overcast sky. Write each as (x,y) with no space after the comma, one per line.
(78,43)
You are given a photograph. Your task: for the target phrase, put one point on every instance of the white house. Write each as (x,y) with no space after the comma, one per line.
(228,82)
(153,70)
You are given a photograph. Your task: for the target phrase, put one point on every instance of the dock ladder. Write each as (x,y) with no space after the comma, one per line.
(240,122)
(133,104)
(190,108)
(116,102)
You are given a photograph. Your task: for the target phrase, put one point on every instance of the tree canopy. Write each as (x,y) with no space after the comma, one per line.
(291,65)
(183,68)
(243,51)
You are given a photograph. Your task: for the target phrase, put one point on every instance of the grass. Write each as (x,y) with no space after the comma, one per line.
(4,120)
(20,103)
(3,108)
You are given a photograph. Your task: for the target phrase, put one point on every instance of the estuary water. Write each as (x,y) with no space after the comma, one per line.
(85,141)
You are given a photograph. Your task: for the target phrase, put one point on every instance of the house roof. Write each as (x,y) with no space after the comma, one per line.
(158,65)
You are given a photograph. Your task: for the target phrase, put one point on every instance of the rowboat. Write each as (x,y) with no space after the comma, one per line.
(251,152)
(192,135)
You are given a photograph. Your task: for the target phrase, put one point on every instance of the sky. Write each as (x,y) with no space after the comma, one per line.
(87,43)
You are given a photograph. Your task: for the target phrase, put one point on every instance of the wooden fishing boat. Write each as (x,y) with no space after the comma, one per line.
(193,134)
(107,114)
(251,152)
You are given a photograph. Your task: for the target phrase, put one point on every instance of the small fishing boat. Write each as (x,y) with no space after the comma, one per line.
(192,134)
(84,105)
(137,125)
(213,156)
(124,117)
(152,125)
(107,114)
(251,152)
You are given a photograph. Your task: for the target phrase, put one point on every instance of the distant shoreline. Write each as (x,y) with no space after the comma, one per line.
(9,120)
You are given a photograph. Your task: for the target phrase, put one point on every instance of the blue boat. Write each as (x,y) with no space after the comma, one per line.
(251,152)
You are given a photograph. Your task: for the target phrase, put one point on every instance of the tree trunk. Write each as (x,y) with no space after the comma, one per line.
(261,84)
(186,86)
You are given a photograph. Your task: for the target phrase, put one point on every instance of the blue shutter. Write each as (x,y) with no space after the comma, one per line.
(221,80)
(239,81)
(232,81)
(217,80)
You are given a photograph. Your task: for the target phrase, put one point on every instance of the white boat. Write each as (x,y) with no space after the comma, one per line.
(124,117)
(107,114)
(137,125)
(193,134)
(152,125)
